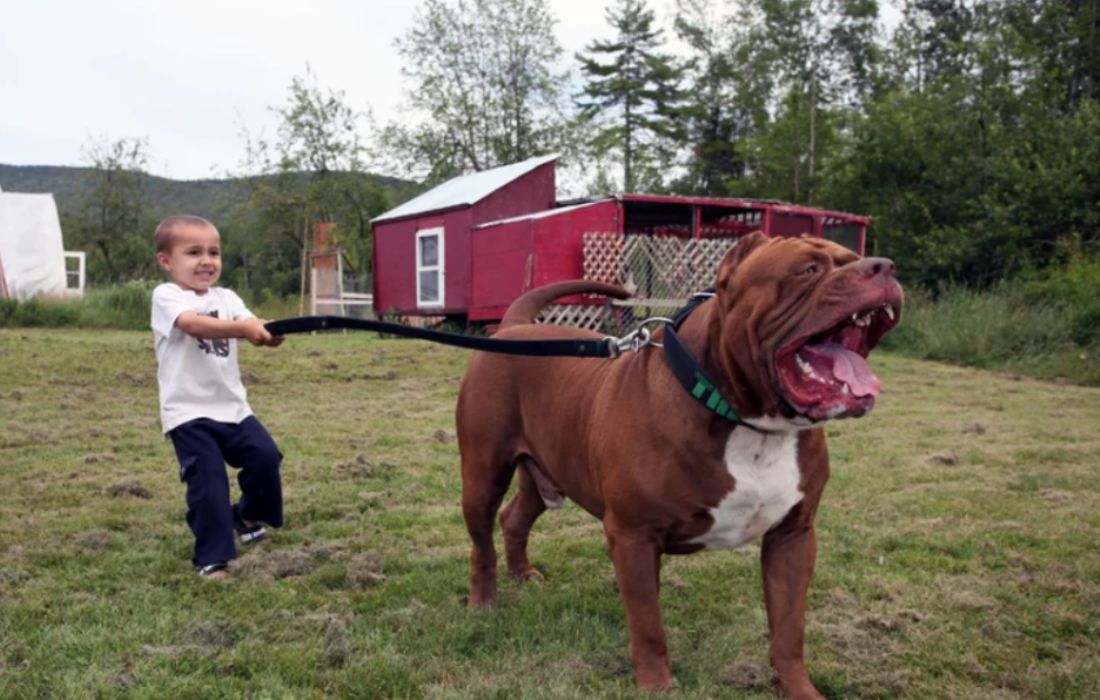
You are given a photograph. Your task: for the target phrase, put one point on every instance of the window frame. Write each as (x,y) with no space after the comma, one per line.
(437,233)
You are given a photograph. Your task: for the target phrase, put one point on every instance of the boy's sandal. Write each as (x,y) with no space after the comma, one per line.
(218,569)
(248,535)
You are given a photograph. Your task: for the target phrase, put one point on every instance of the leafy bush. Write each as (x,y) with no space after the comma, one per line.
(267,304)
(50,313)
(986,329)
(126,306)
(1076,290)
(7,310)
(123,307)
(1046,326)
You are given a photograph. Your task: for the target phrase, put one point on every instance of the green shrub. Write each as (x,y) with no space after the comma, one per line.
(267,304)
(1046,326)
(1076,290)
(1086,326)
(50,313)
(7,310)
(125,307)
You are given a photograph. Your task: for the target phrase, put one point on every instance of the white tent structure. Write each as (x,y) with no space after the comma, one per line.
(32,258)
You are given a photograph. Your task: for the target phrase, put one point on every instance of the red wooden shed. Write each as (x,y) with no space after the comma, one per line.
(472,245)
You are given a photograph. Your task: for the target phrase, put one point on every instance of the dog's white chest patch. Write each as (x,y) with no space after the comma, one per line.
(765,469)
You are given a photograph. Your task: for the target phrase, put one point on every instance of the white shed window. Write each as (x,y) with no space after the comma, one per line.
(429,267)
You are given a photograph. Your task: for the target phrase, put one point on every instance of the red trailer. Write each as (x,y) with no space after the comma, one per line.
(472,245)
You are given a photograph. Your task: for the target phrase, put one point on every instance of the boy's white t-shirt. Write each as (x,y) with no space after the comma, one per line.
(197,378)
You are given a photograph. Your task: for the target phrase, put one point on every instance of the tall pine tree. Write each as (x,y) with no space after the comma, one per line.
(631,80)
(728,101)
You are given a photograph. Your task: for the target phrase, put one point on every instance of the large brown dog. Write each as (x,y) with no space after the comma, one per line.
(784,339)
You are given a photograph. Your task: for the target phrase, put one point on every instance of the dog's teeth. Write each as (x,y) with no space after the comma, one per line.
(890,312)
(844,390)
(804,366)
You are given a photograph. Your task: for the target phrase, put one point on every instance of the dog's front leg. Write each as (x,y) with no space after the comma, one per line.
(637,561)
(788,555)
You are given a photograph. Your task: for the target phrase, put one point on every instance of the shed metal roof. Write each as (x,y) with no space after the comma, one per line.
(465,190)
(542,214)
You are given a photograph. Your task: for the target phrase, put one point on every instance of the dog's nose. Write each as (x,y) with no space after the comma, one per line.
(877,267)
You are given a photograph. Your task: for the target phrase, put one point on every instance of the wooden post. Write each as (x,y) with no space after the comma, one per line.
(302,268)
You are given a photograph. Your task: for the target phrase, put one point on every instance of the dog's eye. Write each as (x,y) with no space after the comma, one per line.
(808,270)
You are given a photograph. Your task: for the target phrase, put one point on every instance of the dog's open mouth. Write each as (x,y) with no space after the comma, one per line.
(824,374)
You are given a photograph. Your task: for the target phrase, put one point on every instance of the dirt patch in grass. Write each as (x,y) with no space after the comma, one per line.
(882,623)
(365,571)
(272,561)
(265,563)
(335,643)
(136,380)
(947,459)
(93,540)
(363,467)
(746,675)
(129,489)
(371,376)
(200,639)
(219,635)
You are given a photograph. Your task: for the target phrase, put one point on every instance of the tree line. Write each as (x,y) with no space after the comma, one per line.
(968,130)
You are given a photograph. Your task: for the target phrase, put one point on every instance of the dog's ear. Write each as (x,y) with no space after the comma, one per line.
(740,250)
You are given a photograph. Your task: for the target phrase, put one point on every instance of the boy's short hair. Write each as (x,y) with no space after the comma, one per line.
(162,237)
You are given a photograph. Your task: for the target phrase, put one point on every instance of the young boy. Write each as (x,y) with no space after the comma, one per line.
(203,405)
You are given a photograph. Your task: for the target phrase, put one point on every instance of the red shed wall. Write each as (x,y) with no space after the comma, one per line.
(512,258)
(395,263)
(394,253)
(502,259)
(395,244)
(526,194)
(790,225)
(559,240)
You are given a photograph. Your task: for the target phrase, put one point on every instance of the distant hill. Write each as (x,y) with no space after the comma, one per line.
(209,198)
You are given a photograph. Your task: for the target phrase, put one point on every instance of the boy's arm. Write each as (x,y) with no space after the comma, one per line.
(210,328)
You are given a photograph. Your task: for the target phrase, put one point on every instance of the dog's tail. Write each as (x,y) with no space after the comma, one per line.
(527,307)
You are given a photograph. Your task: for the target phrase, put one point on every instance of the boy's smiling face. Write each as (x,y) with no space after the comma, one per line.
(195,259)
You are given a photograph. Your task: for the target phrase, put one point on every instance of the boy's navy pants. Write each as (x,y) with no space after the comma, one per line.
(203,447)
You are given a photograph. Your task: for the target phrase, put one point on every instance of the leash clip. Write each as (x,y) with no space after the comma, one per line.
(631,342)
(637,339)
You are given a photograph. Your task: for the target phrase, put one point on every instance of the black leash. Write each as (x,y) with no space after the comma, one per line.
(574,347)
(687,370)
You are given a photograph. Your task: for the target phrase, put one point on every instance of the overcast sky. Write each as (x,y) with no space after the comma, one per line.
(187,76)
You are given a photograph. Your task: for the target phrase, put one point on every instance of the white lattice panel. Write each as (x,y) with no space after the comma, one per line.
(654,267)
(661,271)
(593,318)
(603,257)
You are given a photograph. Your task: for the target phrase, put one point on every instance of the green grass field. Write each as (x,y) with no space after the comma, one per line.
(958,545)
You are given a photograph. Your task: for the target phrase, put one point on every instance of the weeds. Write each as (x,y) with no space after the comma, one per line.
(1048,328)
(120,307)
(1042,325)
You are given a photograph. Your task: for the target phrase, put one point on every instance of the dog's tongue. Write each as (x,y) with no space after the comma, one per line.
(846,366)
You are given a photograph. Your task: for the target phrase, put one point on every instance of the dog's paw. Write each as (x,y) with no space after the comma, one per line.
(801,689)
(666,685)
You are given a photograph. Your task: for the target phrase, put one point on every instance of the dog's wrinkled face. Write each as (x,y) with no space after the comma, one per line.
(805,313)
